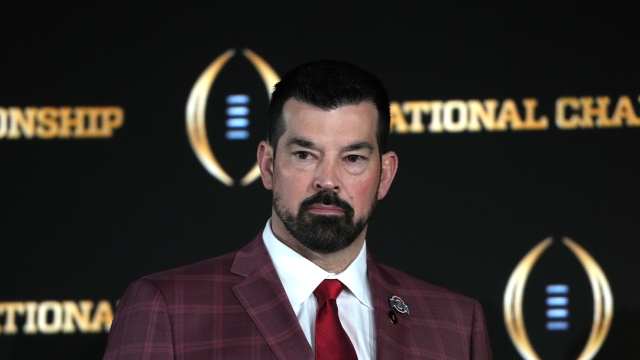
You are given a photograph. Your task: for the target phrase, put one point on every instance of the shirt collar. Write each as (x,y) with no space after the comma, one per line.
(300,277)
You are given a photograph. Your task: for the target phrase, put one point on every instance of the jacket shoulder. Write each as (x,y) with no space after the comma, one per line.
(193,283)
(212,267)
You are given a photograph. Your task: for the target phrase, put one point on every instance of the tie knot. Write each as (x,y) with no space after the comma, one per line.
(329,289)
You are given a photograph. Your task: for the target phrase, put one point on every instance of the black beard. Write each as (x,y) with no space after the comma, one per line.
(320,233)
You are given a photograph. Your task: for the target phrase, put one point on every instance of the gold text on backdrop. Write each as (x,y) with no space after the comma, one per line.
(81,122)
(55,317)
(493,115)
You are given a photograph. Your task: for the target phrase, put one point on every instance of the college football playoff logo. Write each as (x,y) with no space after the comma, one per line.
(236,115)
(556,301)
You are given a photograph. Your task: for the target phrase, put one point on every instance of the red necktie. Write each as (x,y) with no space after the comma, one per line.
(332,342)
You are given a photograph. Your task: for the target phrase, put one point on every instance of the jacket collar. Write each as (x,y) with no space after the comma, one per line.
(398,340)
(263,297)
(391,339)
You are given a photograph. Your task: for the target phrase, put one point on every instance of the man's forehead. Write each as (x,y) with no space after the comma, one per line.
(295,105)
(301,119)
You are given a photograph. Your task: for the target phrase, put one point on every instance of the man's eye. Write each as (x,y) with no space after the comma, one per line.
(302,155)
(354,158)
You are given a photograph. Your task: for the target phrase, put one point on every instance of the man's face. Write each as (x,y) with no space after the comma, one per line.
(326,173)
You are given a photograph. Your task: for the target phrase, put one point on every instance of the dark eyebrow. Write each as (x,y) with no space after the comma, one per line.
(358,146)
(301,142)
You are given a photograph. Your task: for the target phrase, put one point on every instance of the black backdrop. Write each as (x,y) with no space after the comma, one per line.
(81,218)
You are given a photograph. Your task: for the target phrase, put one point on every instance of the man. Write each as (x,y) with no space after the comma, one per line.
(306,287)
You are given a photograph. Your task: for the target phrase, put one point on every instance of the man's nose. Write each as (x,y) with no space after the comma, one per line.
(326,177)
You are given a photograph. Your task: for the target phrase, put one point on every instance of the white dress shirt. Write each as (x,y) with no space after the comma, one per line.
(300,277)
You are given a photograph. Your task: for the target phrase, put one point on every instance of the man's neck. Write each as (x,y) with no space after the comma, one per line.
(334,262)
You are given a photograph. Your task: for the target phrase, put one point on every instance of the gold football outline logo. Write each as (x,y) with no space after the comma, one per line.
(196,108)
(514,296)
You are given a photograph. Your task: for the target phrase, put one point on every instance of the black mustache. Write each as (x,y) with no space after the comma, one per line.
(326,197)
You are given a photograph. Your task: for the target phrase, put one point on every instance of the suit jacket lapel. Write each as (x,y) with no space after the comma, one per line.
(263,297)
(398,341)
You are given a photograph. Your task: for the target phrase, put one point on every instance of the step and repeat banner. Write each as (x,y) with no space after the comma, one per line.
(128,140)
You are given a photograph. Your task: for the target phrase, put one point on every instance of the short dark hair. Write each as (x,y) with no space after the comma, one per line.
(329,84)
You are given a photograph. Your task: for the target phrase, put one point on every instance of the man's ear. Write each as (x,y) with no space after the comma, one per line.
(388,173)
(265,163)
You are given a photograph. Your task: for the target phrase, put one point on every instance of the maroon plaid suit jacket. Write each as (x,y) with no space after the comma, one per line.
(234,307)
